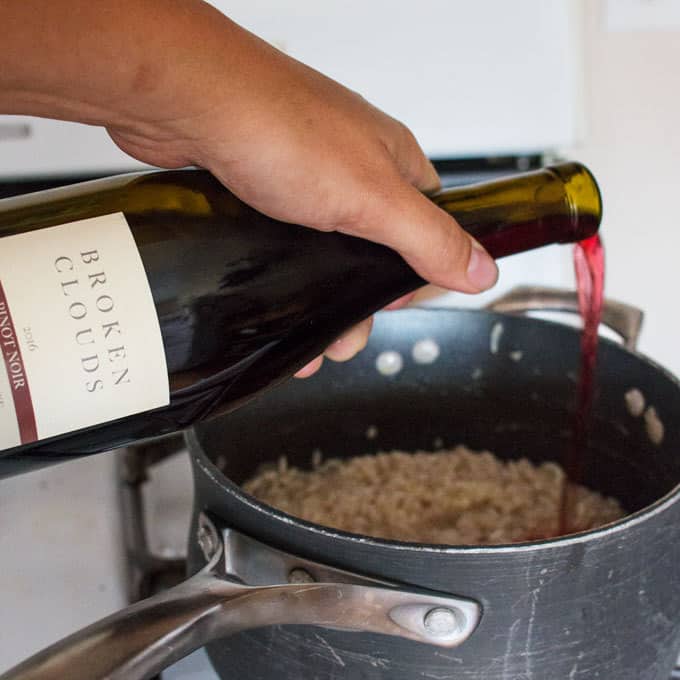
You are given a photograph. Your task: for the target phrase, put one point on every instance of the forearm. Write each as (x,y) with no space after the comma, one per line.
(99,61)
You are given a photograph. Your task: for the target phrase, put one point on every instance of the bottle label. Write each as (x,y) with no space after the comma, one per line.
(79,335)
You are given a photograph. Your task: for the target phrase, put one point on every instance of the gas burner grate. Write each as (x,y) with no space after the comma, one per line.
(155,494)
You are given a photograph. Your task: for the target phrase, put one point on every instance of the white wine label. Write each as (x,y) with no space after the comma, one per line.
(80,342)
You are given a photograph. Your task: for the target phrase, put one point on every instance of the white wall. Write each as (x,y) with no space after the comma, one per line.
(467,77)
(632,144)
(629,57)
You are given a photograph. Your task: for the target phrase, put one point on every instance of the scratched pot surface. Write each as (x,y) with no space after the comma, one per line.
(598,605)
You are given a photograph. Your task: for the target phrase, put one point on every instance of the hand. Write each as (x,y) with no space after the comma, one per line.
(190,87)
(302,148)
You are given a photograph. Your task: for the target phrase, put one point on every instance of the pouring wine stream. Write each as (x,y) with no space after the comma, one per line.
(589,271)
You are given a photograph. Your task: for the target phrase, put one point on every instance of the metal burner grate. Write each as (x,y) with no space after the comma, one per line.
(156,493)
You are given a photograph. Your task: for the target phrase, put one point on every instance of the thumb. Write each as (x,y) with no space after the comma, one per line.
(430,240)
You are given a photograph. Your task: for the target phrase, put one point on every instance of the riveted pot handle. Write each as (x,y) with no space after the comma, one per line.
(625,320)
(140,641)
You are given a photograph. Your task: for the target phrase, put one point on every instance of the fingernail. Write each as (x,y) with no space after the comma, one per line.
(309,369)
(482,271)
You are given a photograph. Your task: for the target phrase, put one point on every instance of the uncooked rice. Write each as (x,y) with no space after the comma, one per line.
(454,497)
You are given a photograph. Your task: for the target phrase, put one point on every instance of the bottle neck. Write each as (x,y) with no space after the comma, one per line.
(557,204)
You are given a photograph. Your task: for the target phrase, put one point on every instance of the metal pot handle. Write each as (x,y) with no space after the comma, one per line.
(140,641)
(625,320)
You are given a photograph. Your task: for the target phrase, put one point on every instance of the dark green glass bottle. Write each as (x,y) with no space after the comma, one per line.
(242,301)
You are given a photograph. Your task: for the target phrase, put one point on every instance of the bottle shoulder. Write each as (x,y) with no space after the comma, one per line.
(190,191)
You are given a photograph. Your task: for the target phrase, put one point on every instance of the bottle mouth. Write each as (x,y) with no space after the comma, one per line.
(583,199)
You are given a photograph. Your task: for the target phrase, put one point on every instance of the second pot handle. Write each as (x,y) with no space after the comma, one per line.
(625,320)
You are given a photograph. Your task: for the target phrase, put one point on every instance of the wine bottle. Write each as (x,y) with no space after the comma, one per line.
(133,306)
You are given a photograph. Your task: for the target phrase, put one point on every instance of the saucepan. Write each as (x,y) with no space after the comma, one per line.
(273,596)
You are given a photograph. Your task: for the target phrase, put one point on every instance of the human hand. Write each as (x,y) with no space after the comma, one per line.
(177,83)
(302,148)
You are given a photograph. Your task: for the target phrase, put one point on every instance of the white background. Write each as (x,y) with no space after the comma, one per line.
(470,78)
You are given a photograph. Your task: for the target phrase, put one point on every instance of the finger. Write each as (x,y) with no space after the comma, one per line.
(352,342)
(312,367)
(408,156)
(427,293)
(428,182)
(401,302)
(419,171)
(421,295)
(396,214)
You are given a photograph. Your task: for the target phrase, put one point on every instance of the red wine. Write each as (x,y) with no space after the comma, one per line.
(589,270)
(144,303)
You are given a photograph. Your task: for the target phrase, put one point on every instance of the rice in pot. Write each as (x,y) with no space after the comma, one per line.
(454,497)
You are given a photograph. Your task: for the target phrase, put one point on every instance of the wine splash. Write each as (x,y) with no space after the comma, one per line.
(589,271)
